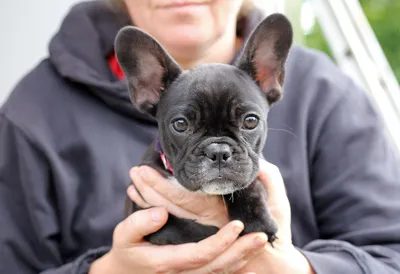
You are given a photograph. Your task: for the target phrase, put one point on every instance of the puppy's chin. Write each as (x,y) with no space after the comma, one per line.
(221,187)
(217,181)
(215,187)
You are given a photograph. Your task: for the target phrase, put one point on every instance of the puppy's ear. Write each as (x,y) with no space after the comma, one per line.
(265,53)
(148,67)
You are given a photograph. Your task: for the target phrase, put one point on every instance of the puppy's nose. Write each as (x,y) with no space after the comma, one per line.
(218,152)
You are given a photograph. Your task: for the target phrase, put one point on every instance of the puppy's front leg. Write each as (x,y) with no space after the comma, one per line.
(250,206)
(176,230)
(180,231)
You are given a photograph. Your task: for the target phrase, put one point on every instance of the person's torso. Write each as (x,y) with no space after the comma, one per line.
(91,148)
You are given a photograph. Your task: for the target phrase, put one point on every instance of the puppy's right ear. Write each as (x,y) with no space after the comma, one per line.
(148,67)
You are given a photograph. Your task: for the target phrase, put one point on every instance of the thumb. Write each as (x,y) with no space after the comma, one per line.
(278,202)
(271,177)
(138,225)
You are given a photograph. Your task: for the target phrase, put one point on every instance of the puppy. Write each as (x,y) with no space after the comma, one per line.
(212,122)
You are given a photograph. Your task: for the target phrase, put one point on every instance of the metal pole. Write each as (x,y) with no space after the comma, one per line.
(358,53)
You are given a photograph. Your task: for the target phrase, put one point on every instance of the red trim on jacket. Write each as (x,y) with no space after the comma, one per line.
(115,67)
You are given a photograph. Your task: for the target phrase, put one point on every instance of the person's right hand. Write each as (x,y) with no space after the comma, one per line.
(220,253)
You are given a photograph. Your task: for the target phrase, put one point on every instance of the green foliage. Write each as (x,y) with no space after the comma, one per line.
(384,17)
(315,39)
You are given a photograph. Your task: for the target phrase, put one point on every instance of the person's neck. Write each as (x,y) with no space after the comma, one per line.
(222,50)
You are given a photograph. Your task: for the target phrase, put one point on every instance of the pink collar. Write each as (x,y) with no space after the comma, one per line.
(166,163)
(164,159)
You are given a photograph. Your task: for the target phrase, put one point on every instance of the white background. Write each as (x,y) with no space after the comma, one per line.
(26,27)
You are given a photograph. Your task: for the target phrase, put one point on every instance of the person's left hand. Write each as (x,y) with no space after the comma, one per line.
(211,210)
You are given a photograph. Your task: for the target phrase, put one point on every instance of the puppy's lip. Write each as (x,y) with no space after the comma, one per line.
(220,186)
(220,178)
(224,180)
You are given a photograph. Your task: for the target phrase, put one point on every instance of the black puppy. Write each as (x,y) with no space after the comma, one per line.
(212,122)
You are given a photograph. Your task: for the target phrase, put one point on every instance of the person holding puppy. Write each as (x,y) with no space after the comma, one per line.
(69,136)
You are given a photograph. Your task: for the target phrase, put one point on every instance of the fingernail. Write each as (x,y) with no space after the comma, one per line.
(130,189)
(238,227)
(260,240)
(156,214)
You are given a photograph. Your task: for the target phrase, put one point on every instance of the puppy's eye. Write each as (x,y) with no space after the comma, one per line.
(180,125)
(250,122)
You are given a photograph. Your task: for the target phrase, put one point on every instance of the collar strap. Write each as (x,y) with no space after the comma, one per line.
(164,159)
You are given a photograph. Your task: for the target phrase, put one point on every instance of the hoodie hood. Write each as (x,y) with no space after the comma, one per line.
(80,49)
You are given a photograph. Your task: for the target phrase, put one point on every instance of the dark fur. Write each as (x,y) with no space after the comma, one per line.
(214,99)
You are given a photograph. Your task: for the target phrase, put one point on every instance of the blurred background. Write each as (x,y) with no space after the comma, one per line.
(384,17)
(27,27)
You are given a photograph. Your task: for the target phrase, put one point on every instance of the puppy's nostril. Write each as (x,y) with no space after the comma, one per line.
(211,155)
(226,156)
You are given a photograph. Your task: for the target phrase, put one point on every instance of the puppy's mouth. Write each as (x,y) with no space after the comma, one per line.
(201,176)
(221,186)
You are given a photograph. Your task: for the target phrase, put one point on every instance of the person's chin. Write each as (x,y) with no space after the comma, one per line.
(189,37)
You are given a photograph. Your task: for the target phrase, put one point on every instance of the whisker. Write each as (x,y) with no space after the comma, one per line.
(284,130)
(191,176)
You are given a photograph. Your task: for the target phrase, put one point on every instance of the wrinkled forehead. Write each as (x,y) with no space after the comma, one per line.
(214,86)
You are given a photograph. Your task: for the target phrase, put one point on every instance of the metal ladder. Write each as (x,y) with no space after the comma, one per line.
(359,54)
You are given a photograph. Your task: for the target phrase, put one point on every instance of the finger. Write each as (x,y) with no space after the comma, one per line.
(143,186)
(155,198)
(271,177)
(196,255)
(237,256)
(181,203)
(278,202)
(139,224)
(176,195)
(136,197)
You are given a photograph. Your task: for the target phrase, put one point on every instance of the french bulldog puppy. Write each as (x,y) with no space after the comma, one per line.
(212,122)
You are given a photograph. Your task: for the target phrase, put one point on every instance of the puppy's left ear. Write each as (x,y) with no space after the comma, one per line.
(265,54)
(147,66)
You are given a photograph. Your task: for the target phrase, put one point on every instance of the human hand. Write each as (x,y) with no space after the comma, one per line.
(159,191)
(220,253)
(206,209)
(283,257)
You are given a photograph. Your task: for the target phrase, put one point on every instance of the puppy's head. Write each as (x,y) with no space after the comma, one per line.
(212,119)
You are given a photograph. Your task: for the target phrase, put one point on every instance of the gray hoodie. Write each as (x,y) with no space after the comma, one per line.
(69,135)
